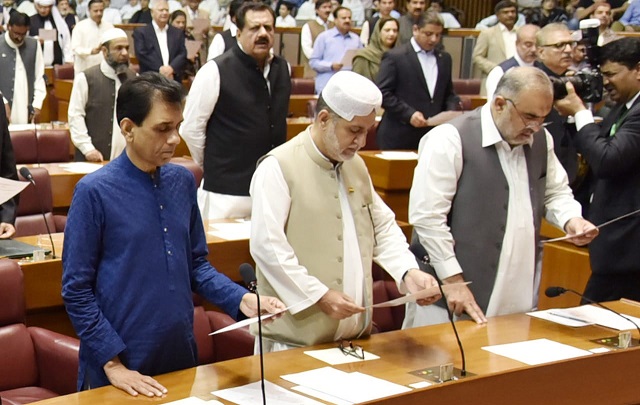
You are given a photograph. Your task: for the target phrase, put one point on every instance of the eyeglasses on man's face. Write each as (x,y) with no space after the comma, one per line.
(560,45)
(530,122)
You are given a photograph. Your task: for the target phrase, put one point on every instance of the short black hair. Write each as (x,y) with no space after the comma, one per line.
(625,51)
(91,2)
(19,20)
(176,14)
(234,6)
(137,95)
(288,5)
(255,7)
(505,4)
(319,3)
(429,17)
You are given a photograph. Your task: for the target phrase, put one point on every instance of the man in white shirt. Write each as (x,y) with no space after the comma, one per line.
(22,82)
(526,53)
(482,184)
(85,39)
(58,51)
(128,10)
(224,41)
(94,129)
(497,43)
(111,15)
(318,224)
(310,31)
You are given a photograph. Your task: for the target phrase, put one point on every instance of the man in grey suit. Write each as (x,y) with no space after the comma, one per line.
(415,80)
(482,184)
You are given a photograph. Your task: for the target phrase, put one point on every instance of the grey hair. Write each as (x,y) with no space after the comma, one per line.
(517,79)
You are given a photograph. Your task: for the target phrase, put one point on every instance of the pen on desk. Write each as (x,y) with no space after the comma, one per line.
(568,317)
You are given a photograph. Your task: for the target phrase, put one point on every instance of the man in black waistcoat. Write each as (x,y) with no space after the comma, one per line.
(236,112)
(612,151)
(48,17)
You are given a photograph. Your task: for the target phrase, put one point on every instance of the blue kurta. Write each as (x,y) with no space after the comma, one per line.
(134,250)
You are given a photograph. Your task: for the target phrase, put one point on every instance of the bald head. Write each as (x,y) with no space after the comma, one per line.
(526,42)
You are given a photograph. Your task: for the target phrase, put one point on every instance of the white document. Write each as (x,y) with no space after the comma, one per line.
(10,188)
(565,237)
(236,230)
(559,317)
(600,316)
(249,321)
(539,351)
(351,387)
(426,293)
(48,35)
(201,25)
(81,167)
(194,401)
(397,155)
(443,117)
(347,59)
(320,395)
(336,356)
(192,47)
(251,394)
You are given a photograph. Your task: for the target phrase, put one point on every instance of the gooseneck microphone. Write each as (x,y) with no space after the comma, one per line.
(421,254)
(249,278)
(556,291)
(27,175)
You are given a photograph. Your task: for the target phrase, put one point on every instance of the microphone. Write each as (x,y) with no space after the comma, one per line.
(421,254)
(556,291)
(24,171)
(249,278)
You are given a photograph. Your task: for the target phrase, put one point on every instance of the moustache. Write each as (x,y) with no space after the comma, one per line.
(262,41)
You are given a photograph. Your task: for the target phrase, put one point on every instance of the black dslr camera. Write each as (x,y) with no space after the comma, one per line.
(588,82)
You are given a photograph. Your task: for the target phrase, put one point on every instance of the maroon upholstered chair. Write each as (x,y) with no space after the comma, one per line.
(53,146)
(301,85)
(29,220)
(63,72)
(192,166)
(386,319)
(221,347)
(25,146)
(36,363)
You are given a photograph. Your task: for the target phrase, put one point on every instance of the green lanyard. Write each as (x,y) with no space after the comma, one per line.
(616,125)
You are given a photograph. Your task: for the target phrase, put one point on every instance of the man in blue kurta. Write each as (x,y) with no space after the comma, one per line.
(135,249)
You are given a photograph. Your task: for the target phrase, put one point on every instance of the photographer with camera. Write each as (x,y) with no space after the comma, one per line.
(613,153)
(555,44)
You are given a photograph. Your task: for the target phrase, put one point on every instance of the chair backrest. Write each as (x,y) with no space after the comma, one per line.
(225,346)
(63,72)
(53,146)
(25,146)
(301,85)
(387,319)
(192,166)
(29,219)
(18,366)
(467,86)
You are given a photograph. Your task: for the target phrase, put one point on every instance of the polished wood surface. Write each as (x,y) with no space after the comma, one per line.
(564,265)
(595,379)
(298,104)
(297,125)
(62,91)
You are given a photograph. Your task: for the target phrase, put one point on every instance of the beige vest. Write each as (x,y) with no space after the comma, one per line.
(314,230)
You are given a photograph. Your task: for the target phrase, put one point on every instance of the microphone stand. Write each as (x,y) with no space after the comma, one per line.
(44,217)
(253,287)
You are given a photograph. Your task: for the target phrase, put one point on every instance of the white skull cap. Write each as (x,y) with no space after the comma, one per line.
(349,94)
(112,33)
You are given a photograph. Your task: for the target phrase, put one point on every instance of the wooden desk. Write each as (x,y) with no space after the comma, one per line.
(298,104)
(63,183)
(392,180)
(297,125)
(62,91)
(595,379)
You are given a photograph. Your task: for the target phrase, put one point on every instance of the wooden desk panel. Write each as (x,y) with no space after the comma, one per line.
(62,91)
(298,104)
(594,379)
(396,175)
(297,125)
(564,265)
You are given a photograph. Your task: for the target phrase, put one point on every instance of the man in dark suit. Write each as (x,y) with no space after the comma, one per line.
(415,80)
(159,46)
(613,153)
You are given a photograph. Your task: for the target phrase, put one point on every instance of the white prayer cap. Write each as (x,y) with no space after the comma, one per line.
(45,2)
(112,33)
(349,94)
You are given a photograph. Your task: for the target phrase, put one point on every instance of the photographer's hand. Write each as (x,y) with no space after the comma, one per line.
(571,104)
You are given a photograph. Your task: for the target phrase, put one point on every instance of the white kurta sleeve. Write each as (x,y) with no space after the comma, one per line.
(77,114)
(201,101)
(432,192)
(39,87)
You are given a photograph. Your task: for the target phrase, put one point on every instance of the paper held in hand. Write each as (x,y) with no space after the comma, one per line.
(48,34)
(347,59)
(442,118)
(426,293)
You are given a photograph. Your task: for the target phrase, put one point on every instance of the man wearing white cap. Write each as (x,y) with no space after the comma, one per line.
(317,224)
(48,17)
(86,36)
(94,129)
